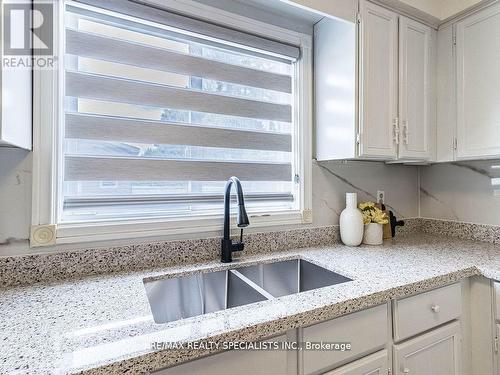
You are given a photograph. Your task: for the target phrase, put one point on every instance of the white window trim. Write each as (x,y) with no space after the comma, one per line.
(47,102)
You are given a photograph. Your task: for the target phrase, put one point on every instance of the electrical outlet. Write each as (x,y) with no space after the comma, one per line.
(381,196)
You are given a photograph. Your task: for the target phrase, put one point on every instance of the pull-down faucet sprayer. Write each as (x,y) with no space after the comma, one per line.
(227,245)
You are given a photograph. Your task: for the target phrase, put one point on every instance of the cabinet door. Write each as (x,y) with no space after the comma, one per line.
(379,82)
(375,364)
(415,89)
(434,353)
(497,334)
(478,82)
(446,116)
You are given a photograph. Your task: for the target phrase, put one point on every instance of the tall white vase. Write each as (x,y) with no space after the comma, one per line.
(351,222)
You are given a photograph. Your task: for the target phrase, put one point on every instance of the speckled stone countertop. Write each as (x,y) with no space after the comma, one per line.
(103,324)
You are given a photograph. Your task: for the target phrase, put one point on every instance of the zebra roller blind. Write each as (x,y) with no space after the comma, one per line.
(161,109)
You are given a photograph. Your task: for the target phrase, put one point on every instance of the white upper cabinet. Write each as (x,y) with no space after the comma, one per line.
(446,100)
(374,88)
(378,134)
(401,109)
(335,89)
(478,83)
(416,101)
(16,105)
(15,100)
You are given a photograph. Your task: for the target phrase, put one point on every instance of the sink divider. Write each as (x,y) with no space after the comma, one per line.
(201,286)
(250,283)
(298,275)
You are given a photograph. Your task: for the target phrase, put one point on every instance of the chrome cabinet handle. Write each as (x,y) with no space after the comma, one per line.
(406,133)
(395,125)
(435,308)
(406,370)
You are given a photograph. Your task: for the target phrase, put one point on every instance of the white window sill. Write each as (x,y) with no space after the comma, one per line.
(90,232)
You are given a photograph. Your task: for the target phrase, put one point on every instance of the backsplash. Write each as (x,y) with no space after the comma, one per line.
(461,191)
(466,231)
(331,180)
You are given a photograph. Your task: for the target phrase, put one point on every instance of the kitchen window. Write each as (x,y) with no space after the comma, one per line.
(157,109)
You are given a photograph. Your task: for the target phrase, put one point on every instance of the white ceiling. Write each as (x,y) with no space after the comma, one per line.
(441,9)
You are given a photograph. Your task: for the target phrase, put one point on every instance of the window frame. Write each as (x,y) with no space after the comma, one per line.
(47,154)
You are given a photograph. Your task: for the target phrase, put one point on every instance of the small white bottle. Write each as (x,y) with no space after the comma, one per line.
(351,222)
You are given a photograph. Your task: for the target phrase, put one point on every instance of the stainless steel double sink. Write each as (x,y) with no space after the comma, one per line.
(204,292)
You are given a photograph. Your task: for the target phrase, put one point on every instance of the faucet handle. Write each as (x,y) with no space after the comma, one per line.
(238,246)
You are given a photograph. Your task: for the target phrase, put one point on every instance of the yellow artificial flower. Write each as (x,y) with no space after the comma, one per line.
(366,205)
(372,214)
(380,217)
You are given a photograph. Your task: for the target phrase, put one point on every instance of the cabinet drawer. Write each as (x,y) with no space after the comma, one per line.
(365,330)
(375,364)
(241,362)
(419,313)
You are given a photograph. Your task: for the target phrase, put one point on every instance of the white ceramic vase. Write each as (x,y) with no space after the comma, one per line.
(374,234)
(351,222)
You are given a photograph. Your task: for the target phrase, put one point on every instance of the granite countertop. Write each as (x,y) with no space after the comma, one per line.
(103,324)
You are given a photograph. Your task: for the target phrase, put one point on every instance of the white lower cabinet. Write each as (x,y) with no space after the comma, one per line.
(434,353)
(240,362)
(421,312)
(497,334)
(427,341)
(375,364)
(366,331)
